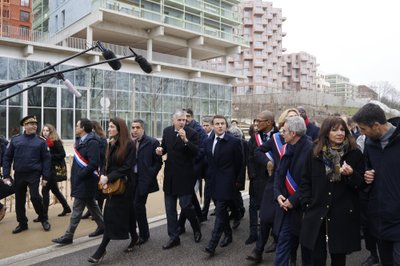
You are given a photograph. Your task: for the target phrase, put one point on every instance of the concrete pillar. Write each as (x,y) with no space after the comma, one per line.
(150,49)
(89,35)
(189,57)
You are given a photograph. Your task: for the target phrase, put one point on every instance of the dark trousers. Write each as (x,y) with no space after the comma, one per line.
(389,252)
(254,207)
(221,224)
(77,210)
(185,202)
(53,187)
(370,241)
(265,229)
(197,209)
(286,241)
(207,198)
(21,186)
(141,215)
(319,254)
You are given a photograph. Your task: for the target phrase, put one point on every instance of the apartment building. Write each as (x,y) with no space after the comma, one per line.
(299,71)
(40,9)
(366,92)
(15,18)
(341,86)
(181,39)
(261,62)
(322,84)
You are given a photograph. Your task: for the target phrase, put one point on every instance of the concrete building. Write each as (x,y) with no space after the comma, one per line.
(15,18)
(178,38)
(40,11)
(299,71)
(341,86)
(366,92)
(322,84)
(262,26)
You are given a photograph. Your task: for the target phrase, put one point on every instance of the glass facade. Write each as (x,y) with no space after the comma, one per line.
(105,94)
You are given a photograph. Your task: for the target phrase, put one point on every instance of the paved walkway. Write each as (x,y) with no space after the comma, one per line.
(38,250)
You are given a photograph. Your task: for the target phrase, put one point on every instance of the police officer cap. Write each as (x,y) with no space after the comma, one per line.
(28,119)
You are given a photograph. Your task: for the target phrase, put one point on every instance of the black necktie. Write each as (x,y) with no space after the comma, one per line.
(216,145)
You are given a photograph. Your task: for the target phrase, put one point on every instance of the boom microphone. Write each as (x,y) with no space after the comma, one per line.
(144,64)
(71,88)
(108,54)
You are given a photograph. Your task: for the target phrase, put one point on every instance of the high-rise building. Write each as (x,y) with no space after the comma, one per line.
(341,86)
(16,18)
(179,38)
(261,62)
(299,71)
(40,15)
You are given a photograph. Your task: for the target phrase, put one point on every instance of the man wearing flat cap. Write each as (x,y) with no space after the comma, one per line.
(31,159)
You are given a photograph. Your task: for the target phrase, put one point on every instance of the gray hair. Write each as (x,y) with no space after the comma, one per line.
(178,113)
(296,124)
(236,132)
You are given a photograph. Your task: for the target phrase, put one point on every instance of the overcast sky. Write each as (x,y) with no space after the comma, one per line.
(359,39)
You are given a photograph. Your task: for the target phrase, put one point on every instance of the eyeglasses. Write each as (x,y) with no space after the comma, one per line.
(260,120)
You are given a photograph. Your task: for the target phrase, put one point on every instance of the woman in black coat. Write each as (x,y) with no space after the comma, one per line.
(57,159)
(329,192)
(120,158)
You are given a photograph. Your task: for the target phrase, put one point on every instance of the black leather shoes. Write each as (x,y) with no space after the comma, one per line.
(93,259)
(197,236)
(97,232)
(46,226)
(226,241)
(235,224)
(63,240)
(20,228)
(209,251)
(250,240)
(64,212)
(255,257)
(141,241)
(172,243)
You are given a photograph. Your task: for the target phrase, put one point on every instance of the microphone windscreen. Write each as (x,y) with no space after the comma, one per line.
(108,54)
(144,64)
(71,88)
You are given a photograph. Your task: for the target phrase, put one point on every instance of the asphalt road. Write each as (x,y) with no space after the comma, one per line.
(188,253)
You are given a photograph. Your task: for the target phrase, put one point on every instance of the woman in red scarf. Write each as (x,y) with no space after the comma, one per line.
(57,158)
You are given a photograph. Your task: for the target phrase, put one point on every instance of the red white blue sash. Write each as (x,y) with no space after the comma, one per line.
(259,142)
(290,184)
(82,162)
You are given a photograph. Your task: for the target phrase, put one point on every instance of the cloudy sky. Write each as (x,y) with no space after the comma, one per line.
(359,39)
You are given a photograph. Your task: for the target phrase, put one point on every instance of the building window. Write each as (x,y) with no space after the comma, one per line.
(6,13)
(63,19)
(24,16)
(24,2)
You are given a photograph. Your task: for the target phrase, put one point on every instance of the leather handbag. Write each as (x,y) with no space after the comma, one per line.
(114,188)
(61,172)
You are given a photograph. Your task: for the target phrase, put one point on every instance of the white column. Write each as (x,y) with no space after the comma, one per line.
(89,35)
(150,50)
(189,57)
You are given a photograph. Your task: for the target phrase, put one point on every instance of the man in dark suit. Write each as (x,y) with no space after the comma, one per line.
(225,161)
(287,179)
(84,180)
(180,143)
(312,129)
(148,164)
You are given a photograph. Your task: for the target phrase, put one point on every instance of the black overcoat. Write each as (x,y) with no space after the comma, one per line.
(225,167)
(335,203)
(179,175)
(116,210)
(148,165)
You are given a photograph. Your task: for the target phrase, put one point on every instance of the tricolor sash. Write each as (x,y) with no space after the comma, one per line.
(82,162)
(259,142)
(290,184)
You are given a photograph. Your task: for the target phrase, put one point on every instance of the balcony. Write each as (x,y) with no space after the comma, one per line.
(258,11)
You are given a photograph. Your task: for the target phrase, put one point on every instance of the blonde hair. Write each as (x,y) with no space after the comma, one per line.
(282,117)
(53,132)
